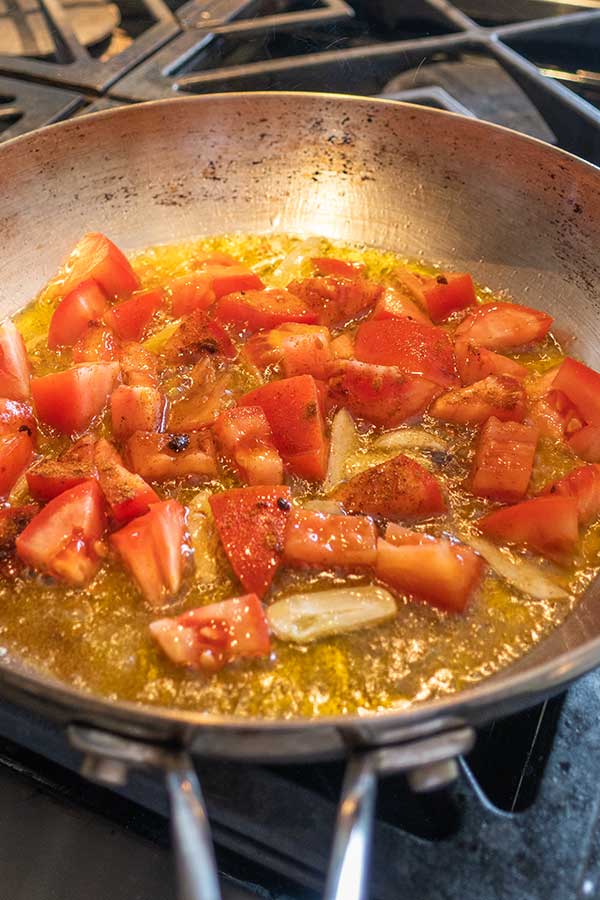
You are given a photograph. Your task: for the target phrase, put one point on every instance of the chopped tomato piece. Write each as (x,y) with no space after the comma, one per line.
(292,349)
(319,539)
(130,320)
(327,265)
(504,460)
(229,279)
(496,395)
(216,258)
(62,539)
(16,451)
(15,416)
(342,347)
(581,385)
(435,570)
(138,365)
(209,637)
(586,443)
(50,477)
(136,408)
(551,411)
(499,326)
(201,406)
(397,489)
(153,548)
(251,524)
(251,311)
(415,348)
(84,304)
(475,363)
(126,493)
(545,524)
(382,395)
(583,485)
(294,410)
(336,300)
(160,457)
(411,284)
(15,368)
(13,519)
(96,344)
(198,337)
(69,400)
(447,293)
(245,437)
(95,256)
(189,293)
(397,304)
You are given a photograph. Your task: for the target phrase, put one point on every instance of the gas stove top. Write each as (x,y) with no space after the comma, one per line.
(523,819)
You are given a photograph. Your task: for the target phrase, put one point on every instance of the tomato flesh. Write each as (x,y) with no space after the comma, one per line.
(131,318)
(153,548)
(500,326)
(586,443)
(583,485)
(97,343)
(13,519)
(199,337)
(15,369)
(61,539)
(475,363)
(318,539)
(397,489)
(497,395)
(395,303)
(190,293)
(136,408)
(547,524)
(15,416)
(251,311)
(69,400)
(209,637)
(336,300)
(160,457)
(251,523)
(582,387)
(504,460)
(126,493)
(50,477)
(415,348)
(292,349)
(86,303)
(245,438)
(96,257)
(327,265)
(16,451)
(447,293)
(230,278)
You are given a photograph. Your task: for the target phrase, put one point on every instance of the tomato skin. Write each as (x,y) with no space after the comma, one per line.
(13,519)
(318,539)
(583,485)
(160,457)
(131,318)
(84,304)
(198,337)
(69,400)
(189,293)
(15,416)
(153,549)
(245,437)
(548,525)
(475,363)
(586,443)
(251,523)
(95,256)
(136,408)
(96,344)
(382,395)
(433,570)
(50,477)
(231,279)
(397,489)
(336,300)
(447,293)
(415,348)
(251,311)
(15,368)
(497,395)
(503,460)
(328,265)
(60,540)
(293,349)
(16,451)
(582,387)
(500,326)
(397,304)
(126,493)
(209,637)
(294,411)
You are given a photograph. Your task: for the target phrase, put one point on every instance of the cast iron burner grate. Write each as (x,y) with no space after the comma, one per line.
(521,822)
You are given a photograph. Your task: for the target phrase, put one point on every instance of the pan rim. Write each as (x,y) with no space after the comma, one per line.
(545,677)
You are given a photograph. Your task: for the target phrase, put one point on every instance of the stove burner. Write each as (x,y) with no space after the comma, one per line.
(24,30)
(24,106)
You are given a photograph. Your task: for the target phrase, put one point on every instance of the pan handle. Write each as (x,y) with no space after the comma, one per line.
(190,829)
(429,763)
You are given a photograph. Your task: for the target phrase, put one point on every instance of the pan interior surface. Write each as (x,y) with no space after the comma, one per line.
(425,185)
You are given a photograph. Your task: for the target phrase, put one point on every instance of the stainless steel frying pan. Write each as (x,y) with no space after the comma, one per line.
(515,212)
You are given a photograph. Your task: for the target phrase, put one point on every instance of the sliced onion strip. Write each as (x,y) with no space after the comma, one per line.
(409,437)
(344,441)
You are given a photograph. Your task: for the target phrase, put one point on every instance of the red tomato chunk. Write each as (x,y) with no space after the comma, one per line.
(581,385)
(69,400)
(586,443)
(583,485)
(245,437)
(16,451)
(497,395)
(318,539)
(15,368)
(136,408)
(50,477)
(160,457)
(130,320)
(293,349)
(83,305)
(475,363)
(126,493)
(397,489)
(503,460)
(500,326)
(336,300)
(447,293)
(252,311)
(96,257)
(547,525)
(415,348)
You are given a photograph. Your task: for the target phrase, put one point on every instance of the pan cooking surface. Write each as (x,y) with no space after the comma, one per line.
(98,641)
